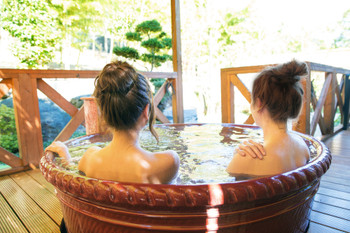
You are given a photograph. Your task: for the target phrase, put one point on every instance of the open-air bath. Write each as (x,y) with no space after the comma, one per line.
(203,197)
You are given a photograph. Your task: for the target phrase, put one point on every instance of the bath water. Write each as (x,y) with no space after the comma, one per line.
(204,150)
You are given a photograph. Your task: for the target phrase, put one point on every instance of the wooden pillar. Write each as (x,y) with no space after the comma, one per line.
(346,102)
(26,108)
(178,111)
(303,123)
(328,109)
(227,98)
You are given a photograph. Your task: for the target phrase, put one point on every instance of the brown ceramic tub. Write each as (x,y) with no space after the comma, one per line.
(278,203)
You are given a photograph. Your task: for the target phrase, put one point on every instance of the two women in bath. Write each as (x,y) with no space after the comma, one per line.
(277,96)
(126,104)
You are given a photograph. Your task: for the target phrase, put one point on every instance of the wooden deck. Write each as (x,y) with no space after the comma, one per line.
(28,203)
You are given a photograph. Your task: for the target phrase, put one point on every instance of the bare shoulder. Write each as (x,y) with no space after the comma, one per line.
(302,148)
(87,157)
(168,156)
(164,167)
(240,164)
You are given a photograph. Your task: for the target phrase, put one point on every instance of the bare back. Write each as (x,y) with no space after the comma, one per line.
(131,164)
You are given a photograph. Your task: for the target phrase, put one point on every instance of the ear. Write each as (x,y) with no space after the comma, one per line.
(258,104)
(145,112)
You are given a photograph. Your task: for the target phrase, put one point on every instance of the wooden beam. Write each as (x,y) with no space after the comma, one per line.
(164,75)
(241,87)
(302,124)
(178,113)
(328,108)
(5,86)
(160,94)
(72,125)
(227,98)
(250,120)
(160,116)
(16,73)
(327,68)
(27,115)
(247,69)
(314,104)
(57,98)
(346,102)
(320,104)
(8,171)
(339,100)
(9,158)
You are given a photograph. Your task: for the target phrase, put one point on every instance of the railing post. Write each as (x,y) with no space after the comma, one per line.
(303,123)
(328,109)
(26,108)
(227,99)
(178,110)
(346,102)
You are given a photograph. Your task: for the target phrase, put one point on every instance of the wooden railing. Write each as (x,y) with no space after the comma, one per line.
(24,85)
(333,95)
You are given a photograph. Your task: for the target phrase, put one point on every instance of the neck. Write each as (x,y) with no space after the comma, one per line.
(126,137)
(274,130)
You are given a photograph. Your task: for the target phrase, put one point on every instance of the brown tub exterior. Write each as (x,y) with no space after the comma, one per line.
(278,203)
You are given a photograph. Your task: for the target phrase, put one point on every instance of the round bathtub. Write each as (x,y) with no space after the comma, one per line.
(279,203)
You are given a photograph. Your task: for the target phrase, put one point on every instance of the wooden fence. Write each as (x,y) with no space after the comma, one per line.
(333,95)
(24,85)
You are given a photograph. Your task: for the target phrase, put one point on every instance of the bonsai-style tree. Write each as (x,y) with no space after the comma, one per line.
(151,37)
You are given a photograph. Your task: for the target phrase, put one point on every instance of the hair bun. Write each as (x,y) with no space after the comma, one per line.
(290,72)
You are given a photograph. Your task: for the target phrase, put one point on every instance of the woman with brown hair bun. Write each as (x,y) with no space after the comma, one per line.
(276,97)
(126,103)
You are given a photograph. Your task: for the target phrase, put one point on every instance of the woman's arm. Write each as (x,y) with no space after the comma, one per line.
(254,149)
(59,148)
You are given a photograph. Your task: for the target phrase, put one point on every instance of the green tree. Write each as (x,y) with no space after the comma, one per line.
(151,37)
(33,25)
(77,19)
(8,133)
(344,38)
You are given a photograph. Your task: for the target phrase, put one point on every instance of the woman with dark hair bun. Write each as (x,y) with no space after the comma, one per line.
(276,97)
(126,104)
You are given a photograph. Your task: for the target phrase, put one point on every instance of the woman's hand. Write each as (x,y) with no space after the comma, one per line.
(60,148)
(254,149)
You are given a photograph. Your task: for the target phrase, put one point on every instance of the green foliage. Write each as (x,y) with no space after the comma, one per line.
(149,26)
(76,20)
(33,23)
(232,27)
(126,52)
(344,38)
(133,36)
(151,37)
(8,133)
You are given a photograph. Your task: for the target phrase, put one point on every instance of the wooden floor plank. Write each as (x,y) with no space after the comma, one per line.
(332,201)
(9,222)
(335,186)
(318,228)
(330,221)
(37,175)
(45,199)
(32,216)
(340,180)
(334,193)
(331,210)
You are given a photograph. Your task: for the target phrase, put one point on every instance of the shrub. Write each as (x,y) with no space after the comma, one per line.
(8,133)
